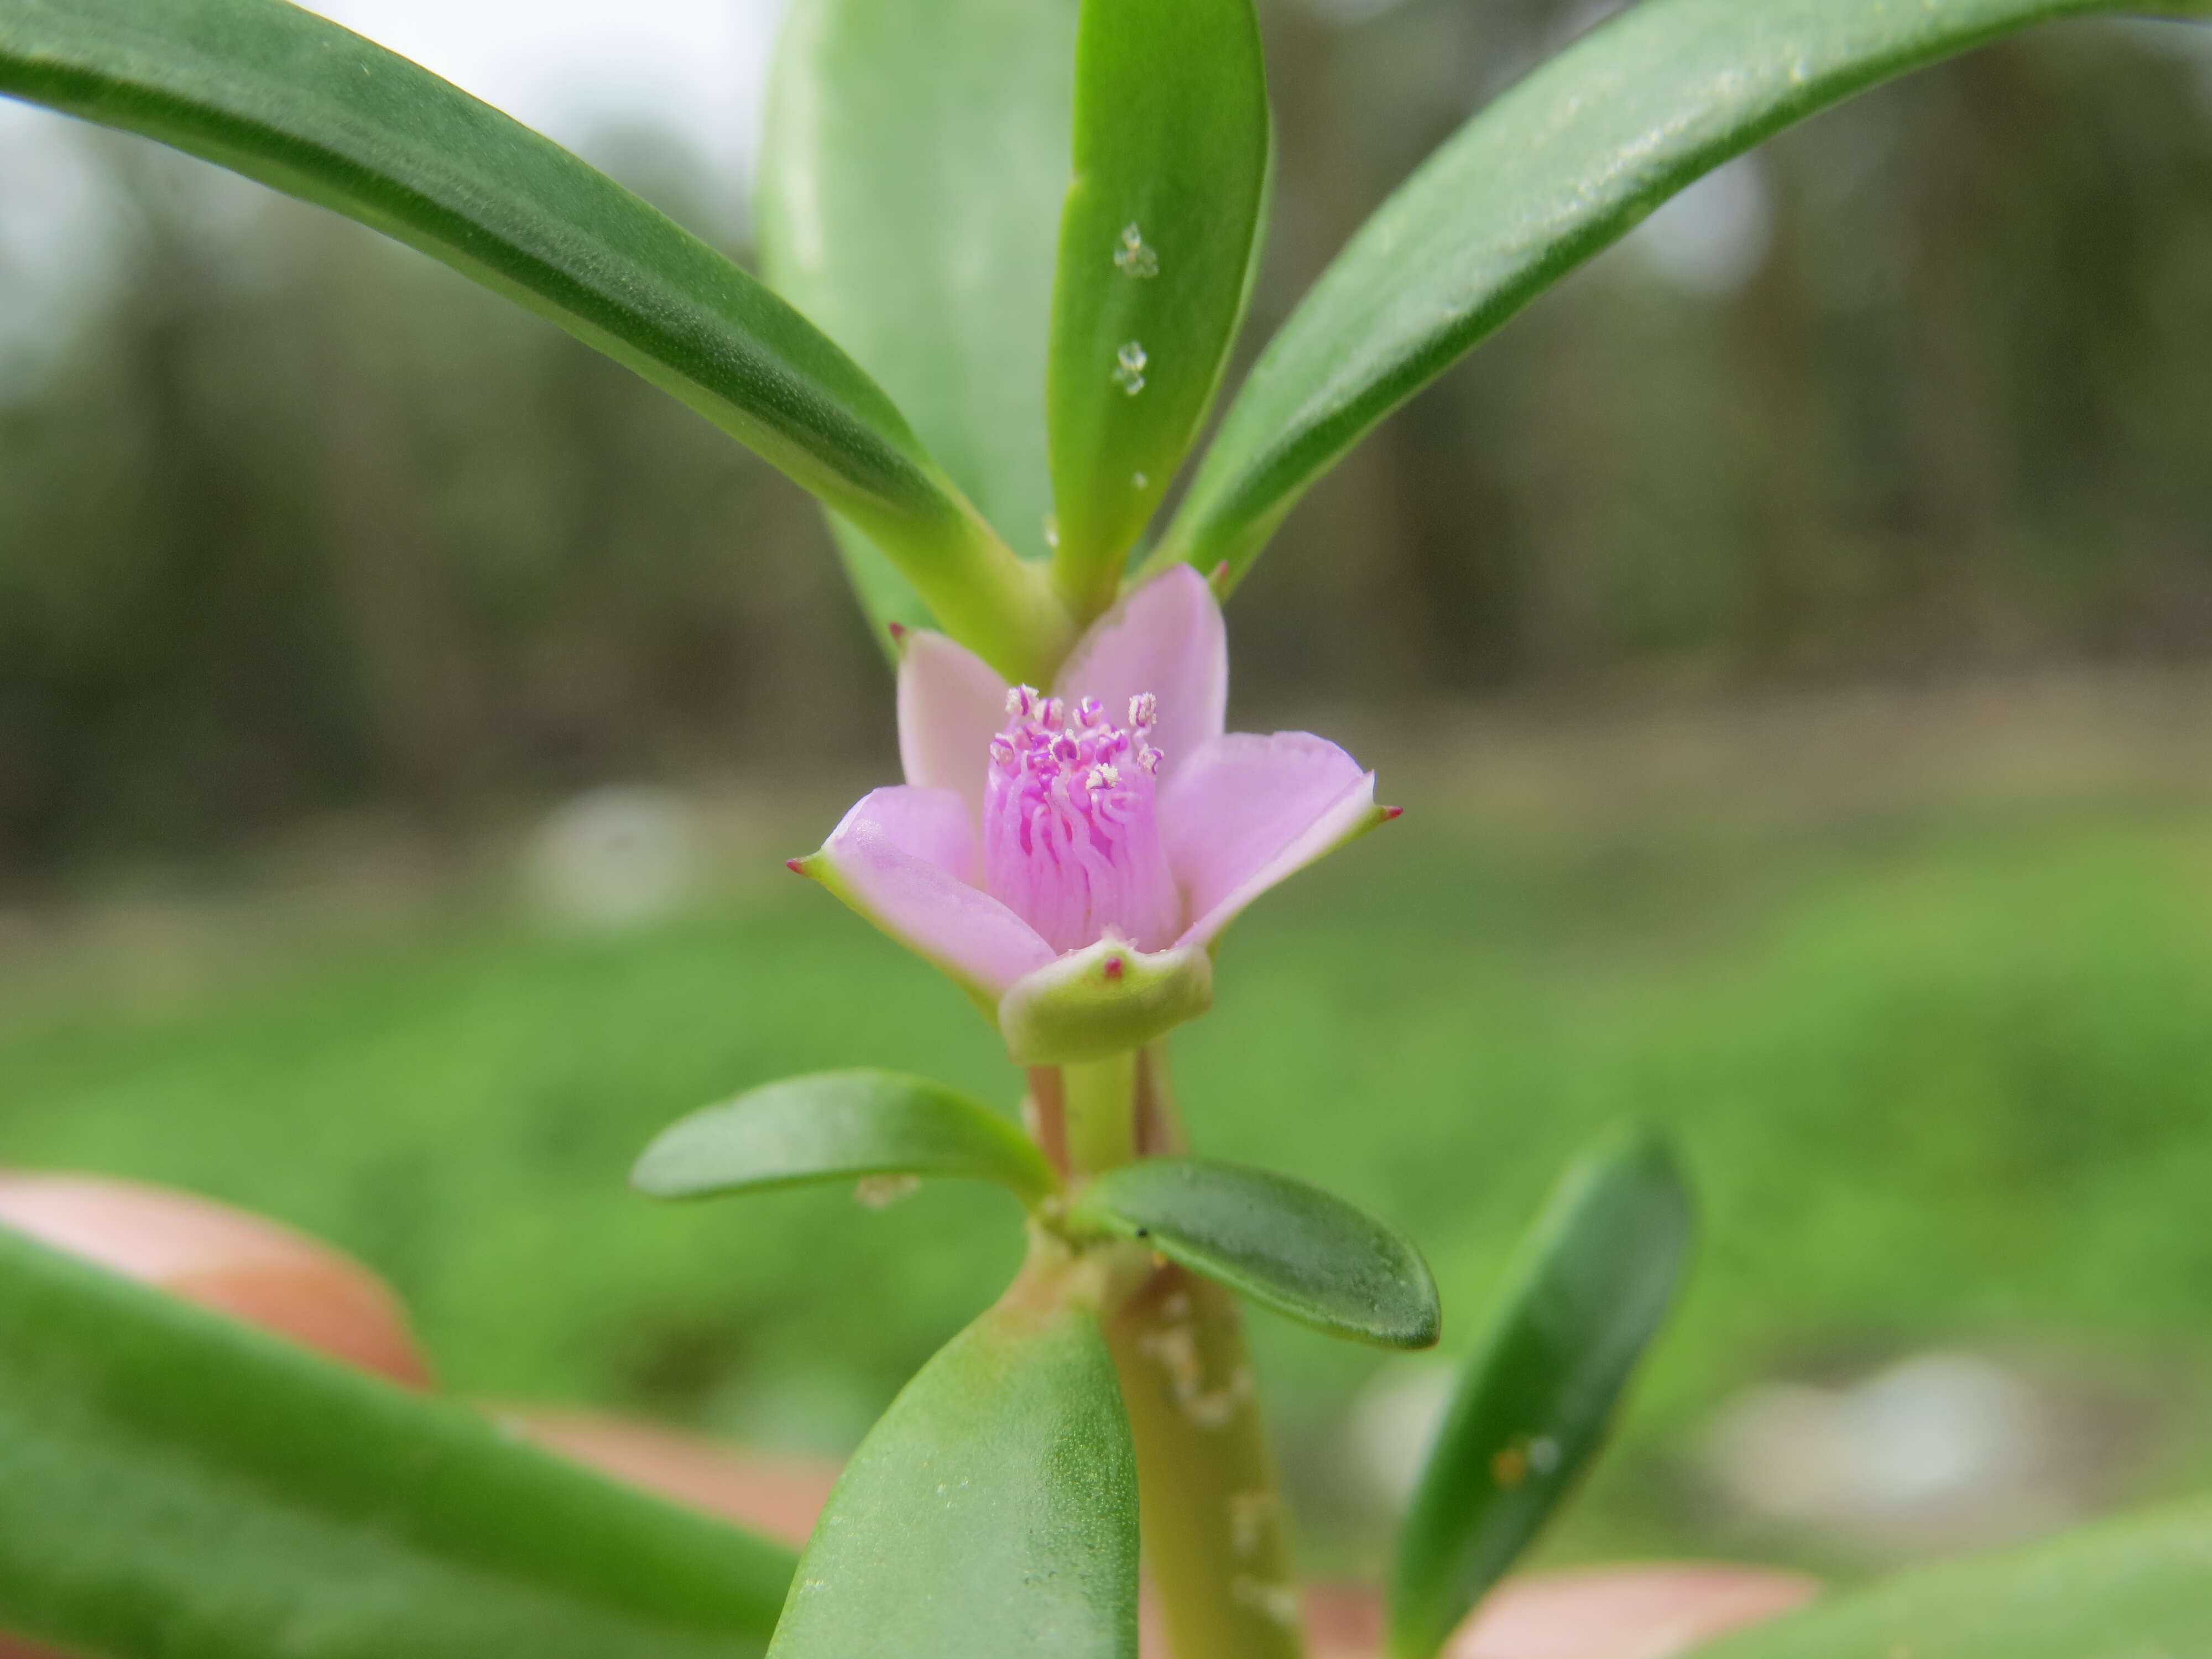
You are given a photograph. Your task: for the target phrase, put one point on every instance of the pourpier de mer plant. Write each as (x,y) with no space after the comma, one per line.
(1007,247)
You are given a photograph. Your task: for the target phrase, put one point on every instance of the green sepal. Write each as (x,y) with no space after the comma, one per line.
(840,1126)
(1589,1286)
(1288,1246)
(176,1485)
(1103,1000)
(991,1514)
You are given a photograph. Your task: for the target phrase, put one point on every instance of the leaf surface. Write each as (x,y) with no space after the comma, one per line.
(289,98)
(991,1514)
(1294,1247)
(174,1484)
(913,161)
(1557,167)
(2131,1588)
(839,1125)
(1161,231)
(1592,1281)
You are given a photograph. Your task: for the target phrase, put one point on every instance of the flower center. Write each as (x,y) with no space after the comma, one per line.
(1071,844)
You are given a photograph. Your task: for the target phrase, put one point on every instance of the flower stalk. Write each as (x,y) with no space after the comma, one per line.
(1100,1101)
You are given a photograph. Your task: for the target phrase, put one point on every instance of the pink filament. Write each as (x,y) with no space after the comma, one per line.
(1070,841)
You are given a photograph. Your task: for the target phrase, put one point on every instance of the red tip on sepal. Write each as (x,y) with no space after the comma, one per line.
(797,866)
(1113,966)
(898,633)
(1390,813)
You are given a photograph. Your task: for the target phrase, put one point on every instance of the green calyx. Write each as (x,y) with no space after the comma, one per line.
(1105,1000)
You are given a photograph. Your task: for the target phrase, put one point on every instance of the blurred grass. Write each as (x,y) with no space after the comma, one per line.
(1941,1075)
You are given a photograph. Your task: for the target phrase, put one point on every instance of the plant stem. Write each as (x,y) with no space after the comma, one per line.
(1216,1543)
(1217,1540)
(1100,1107)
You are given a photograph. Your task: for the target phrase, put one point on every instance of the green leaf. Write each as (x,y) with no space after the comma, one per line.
(914,159)
(1161,231)
(2135,1588)
(992,1514)
(839,1125)
(1592,1281)
(283,96)
(174,1484)
(1559,167)
(1288,1246)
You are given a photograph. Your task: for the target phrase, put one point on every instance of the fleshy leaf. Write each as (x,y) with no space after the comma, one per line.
(286,97)
(1291,1247)
(174,1484)
(839,1125)
(991,1514)
(1593,1279)
(2130,1588)
(1161,229)
(1105,999)
(913,161)
(1557,169)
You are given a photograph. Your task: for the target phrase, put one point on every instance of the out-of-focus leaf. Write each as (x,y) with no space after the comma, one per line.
(1554,170)
(839,1125)
(1292,1247)
(992,1514)
(286,97)
(1588,1288)
(176,1486)
(1161,229)
(913,161)
(2131,1588)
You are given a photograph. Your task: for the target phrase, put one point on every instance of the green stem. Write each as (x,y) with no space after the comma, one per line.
(1101,1106)
(1217,1540)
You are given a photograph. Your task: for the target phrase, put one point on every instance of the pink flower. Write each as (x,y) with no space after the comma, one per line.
(1071,859)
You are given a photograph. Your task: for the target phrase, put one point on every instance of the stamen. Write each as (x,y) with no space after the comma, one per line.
(1071,843)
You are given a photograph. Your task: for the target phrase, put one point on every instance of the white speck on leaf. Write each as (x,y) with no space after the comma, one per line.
(1132,258)
(1129,366)
(878,1191)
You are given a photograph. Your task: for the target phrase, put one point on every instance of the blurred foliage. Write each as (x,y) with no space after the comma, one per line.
(291,520)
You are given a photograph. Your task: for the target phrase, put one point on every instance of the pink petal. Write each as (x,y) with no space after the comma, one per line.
(950,702)
(1248,810)
(903,858)
(1166,638)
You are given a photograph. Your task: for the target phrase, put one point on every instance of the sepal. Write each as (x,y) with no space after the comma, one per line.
(1105,1000)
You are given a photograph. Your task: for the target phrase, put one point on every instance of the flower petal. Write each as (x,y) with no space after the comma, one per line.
(1166,638)
(903,858)
(1248,810)
(949,703)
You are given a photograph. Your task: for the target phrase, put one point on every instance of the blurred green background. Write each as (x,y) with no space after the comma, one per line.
(1791,637)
